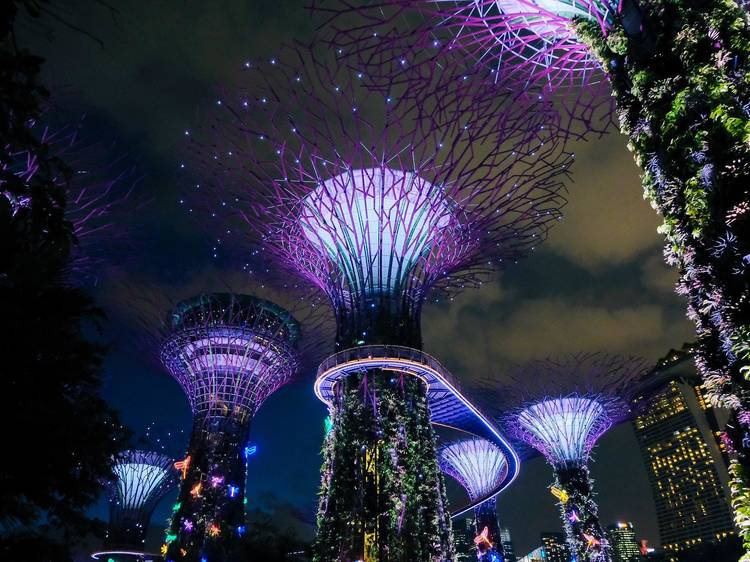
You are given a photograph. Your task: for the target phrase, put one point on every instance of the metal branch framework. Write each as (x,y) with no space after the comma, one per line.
(373,198)
(143,478)
(561,408)
(478,465)
(563,405)
(94,192)
(378,200)
(501,45)
(230,352)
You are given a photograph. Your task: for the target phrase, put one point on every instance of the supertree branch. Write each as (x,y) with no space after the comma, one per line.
(92,190)
(375,200)
(501,46)
(142,479)
(479,466)
(687,121)
(561,407)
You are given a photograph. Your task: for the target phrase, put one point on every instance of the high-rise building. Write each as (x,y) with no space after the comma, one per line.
(509,553)
(677,431)
(624,546)
(463,539)
(554,547)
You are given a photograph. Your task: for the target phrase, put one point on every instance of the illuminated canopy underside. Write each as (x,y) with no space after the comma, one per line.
(135,482)
(539,33)
(564,429)
(375,224)
(477,464)
(230,352)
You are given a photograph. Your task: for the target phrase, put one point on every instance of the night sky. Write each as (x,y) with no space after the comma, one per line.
(598,283)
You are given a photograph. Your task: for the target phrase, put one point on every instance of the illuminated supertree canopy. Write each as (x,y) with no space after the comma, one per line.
(379,203)
(229,352)
(142,479)
(561,407)
(479,466)
(92,194)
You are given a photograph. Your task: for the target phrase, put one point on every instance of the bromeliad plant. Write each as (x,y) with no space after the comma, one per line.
(680,72)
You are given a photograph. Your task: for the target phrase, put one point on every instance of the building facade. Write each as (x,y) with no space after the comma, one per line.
(554,547)
(677,431)
(463,539)
(622,541)
(509,553)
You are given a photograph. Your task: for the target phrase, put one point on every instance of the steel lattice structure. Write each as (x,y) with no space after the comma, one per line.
(92,194)
(503,45)
(379,202)
(479,466)
(229,352)
(142,479)
(561,408)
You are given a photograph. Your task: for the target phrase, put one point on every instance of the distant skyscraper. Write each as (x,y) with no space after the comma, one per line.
(677,431)
(463,539)
(509,554)
(555,548)
(625,547)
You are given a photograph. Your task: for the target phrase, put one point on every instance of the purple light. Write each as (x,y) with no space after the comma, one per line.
(94,191)
(142,479)
(230,352)
(562,406)
(478,465)
(564,429)
(388,201)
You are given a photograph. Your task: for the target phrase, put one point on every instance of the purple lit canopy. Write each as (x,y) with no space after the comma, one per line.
(366,195)
(230,352)
(92,193)
(562,406)
(477,464)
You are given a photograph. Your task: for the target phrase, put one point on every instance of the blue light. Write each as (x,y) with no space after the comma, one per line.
(241,530)
(250,450)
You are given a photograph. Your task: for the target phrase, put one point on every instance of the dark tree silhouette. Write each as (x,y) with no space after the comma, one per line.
(59,434)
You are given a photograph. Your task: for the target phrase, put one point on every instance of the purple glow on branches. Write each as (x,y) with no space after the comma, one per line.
(564,430)
(562,406)
(93,192)
(477,464)
(366,194)
(230,352)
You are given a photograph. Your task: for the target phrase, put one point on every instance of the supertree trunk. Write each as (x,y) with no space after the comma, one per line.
(209,517)
(385,500)
(679,72)
(583,531)
(485,517)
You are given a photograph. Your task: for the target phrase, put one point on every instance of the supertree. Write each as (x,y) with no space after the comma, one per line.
(378,203)
(479,466)
(561,407)
(142,479)
(90,189)
(229,352)
(678,72)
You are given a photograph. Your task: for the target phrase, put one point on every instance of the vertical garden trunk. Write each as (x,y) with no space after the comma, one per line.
(680,74)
